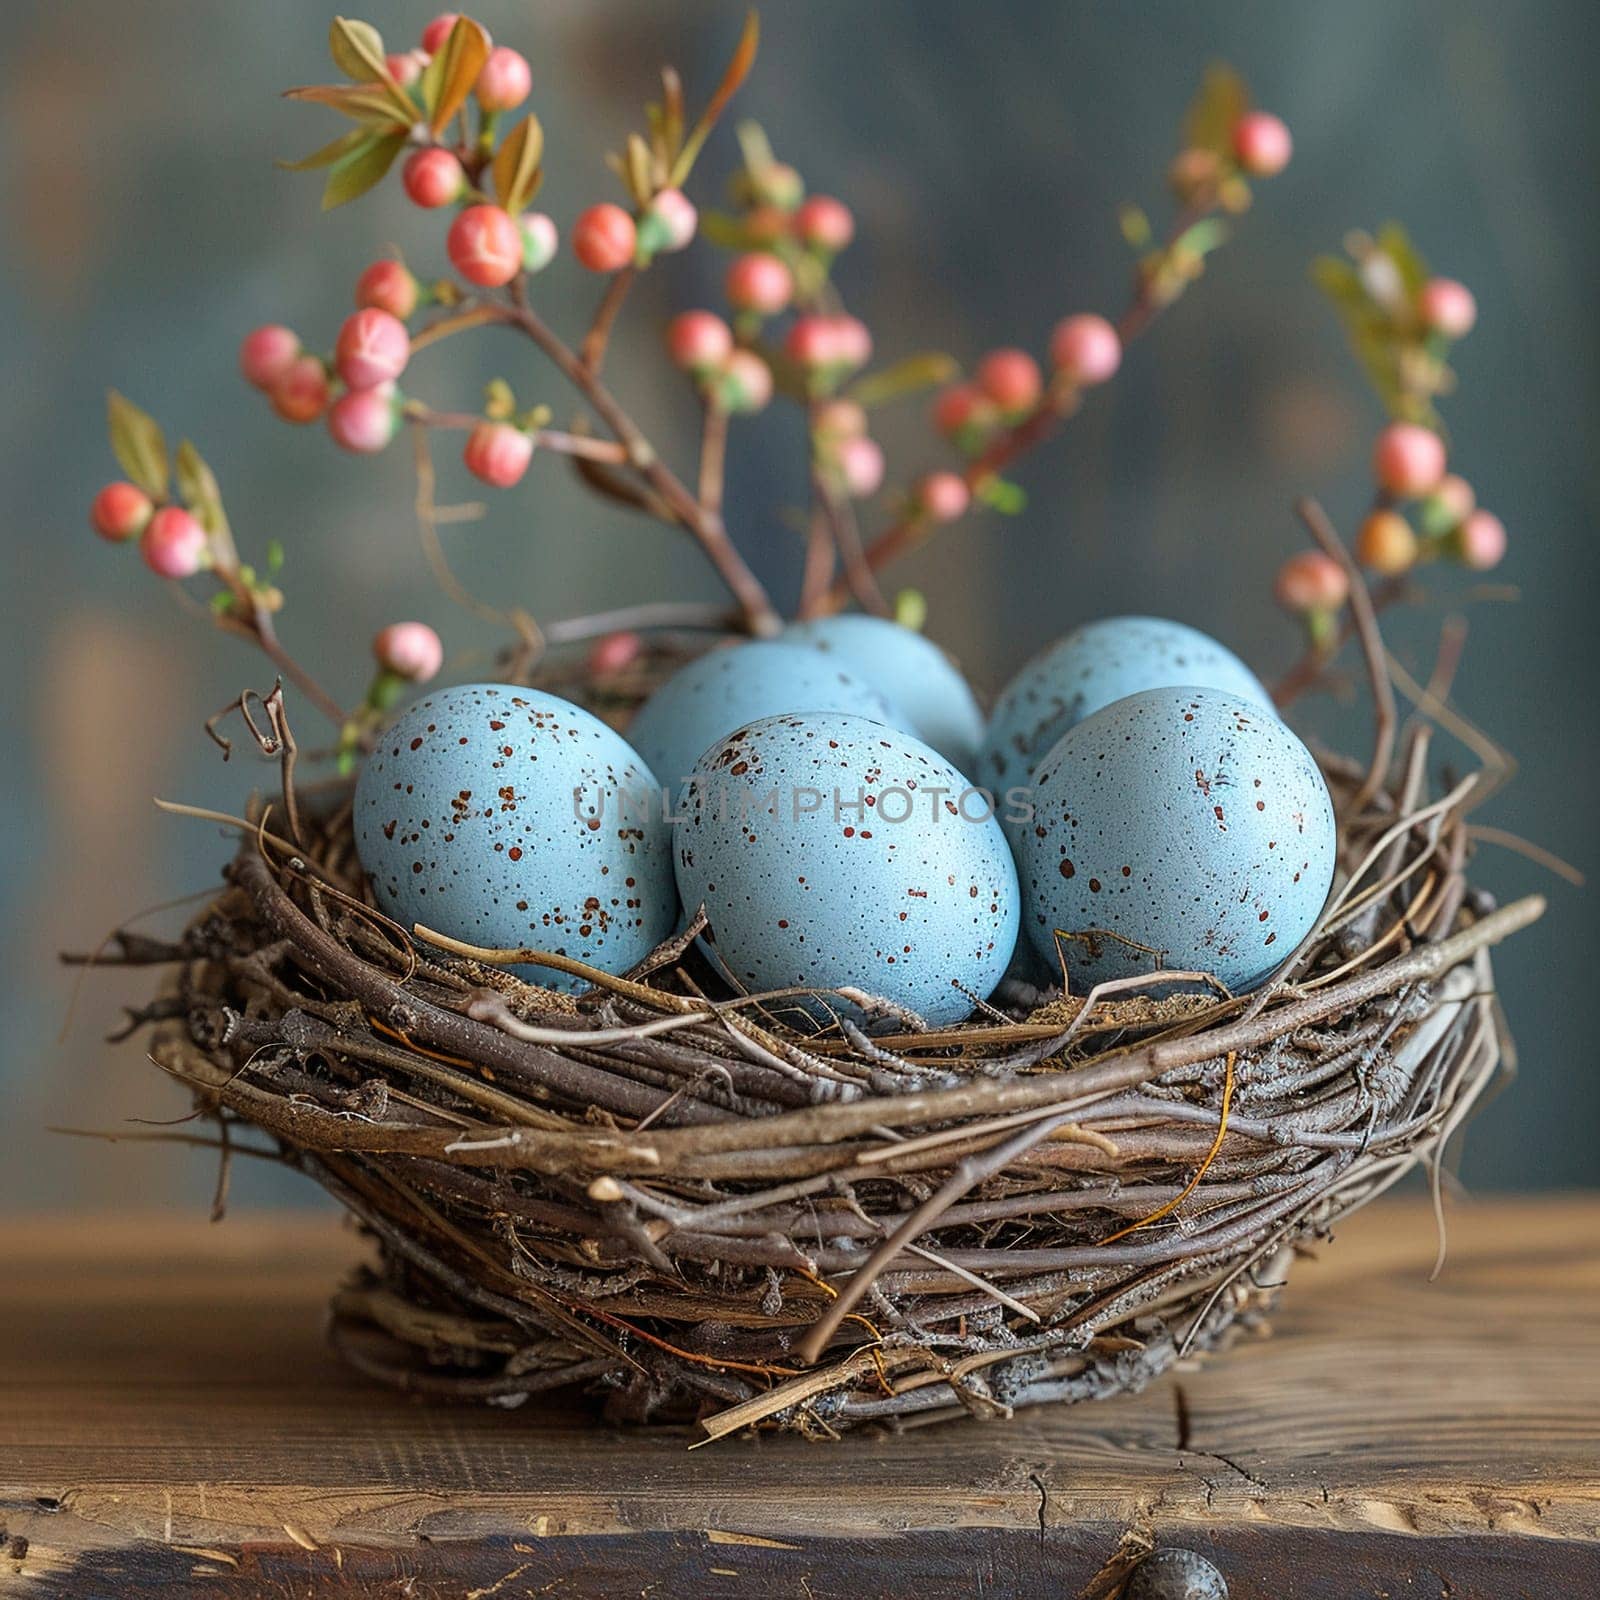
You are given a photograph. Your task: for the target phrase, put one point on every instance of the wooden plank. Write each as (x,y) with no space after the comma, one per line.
(170,1423)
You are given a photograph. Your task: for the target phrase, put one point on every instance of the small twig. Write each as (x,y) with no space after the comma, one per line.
(593,350)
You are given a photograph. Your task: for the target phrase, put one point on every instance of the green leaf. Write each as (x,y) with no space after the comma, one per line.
(1222,99)
(723,230)
(197,483)
(367,103)
(328,154)
(357,50)
(907,376)
(274,557)
(911,609)
(137,442)
(1339,281)
(363,167)
(1395,242)
(221,602)
(1201,239)
(1135,226)
(447,80)
(516,170)
(744,57)
(1001,495)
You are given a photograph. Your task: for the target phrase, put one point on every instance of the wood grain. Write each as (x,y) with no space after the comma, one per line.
(170,1423)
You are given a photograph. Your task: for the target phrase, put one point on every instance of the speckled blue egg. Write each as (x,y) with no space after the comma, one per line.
(1179,828)
(911,672)
(874,867)
(496,815)
(724,689)
(1089,668)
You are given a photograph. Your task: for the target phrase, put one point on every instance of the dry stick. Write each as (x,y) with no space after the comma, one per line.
(1366,622)
(706,526)
(713,456)
(593,350)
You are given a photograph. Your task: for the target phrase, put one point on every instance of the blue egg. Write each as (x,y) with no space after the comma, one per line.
(1179,828)
(724,689)
(509,818)
(911,672)
(832,851)
(1089,668)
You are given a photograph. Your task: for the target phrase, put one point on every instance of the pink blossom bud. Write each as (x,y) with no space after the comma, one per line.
(813,341)
(434,178)
(1408,459)
(860,462)
(485,246)
(1311,581)
(1455,499)
(1085,349)
(301,393)
(174,544)
(1447,307)
(363,420)
(1261,144)
(672,219)
(1482,540)
(614,653)
(1011,378)
(944,496)
(409,650)
(373,347)
(838,419)
(120,511)
(540,240)
(745,382)
(498,453)
(759,282)
(853,340)
(438,31)
(698,341)
(604,238)
(1387,544)
(958,408)
(406,67)
(505,80)
(266,353)
(388,286)
(825,224)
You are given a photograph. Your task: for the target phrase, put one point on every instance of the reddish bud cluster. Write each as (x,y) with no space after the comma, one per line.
(943,496)
(409,650)
(120,511)
(540,240)
(1085,349)
(698,341)
(604,238)
(1011,378)
(828,346)
(498,453)
(1312,583)
(373,348)
(1407,460)
(614,653)
(300,392)
(1447,307)
(759,283)
(389,286)
(174,544)
(1262,144)
(504,81)
(485,246)
(434,178)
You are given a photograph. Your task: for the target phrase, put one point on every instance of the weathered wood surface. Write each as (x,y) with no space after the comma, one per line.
(171,1424)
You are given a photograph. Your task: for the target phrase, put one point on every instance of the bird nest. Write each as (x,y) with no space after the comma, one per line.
(664,1194)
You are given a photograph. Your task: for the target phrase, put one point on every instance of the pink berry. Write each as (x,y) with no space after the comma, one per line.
(363,420)
(388,286)
(498,453)
(120,511)
(409,650)
(173,543)
(1085,349)
(604,238)
(944,496)
(813,341)
(266,353)
(1011,378)
(434,178)
(1312,581)
(1482,539)
(1261,144)
(1387,544)
(958,408)
(745,382)
(437,31)
(485,246)
(1408,459)
(765,224)
(1447,307)
(698,341)
(839,419)
(373,347)
(671,219)
(540,240)
(614,653)
(853,341)
(505,80)
(406,67)
(301,392)
(1455,499)
(860,463)
(759,282)
(825,224)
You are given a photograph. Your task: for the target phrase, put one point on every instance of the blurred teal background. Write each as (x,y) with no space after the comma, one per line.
(985,150)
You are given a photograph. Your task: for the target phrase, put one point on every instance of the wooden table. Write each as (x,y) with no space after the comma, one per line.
(171,1424)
